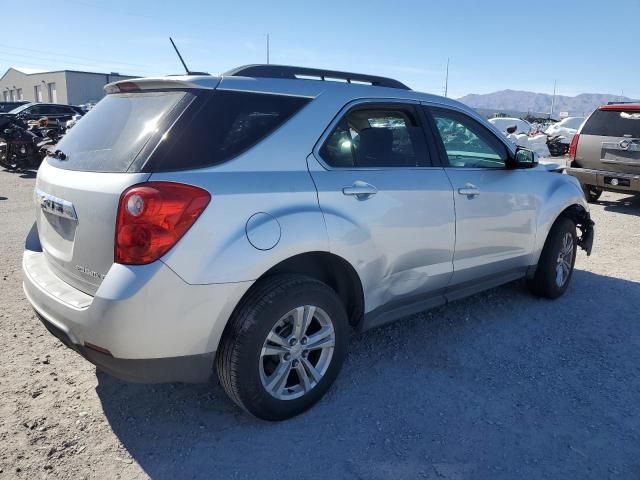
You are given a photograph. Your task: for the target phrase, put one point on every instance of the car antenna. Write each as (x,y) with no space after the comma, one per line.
(186,69)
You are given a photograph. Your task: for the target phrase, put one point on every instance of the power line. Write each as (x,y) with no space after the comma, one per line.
(71,56)
(19,58)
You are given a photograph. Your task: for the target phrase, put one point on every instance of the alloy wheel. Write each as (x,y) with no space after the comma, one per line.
(297,352)
(565,260)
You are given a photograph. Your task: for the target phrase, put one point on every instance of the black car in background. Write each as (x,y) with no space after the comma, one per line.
(54,112)
(8,106)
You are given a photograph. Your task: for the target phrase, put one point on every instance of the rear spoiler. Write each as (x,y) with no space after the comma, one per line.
(618,106)
(178,82)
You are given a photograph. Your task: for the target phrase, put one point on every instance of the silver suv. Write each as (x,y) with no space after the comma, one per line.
(605,153)
(247,223)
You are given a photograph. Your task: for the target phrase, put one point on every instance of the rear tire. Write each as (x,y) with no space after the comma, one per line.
(592,193)
(283,347)
(558,257)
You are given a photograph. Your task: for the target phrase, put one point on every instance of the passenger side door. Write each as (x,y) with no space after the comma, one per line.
(388,210)
(495,205)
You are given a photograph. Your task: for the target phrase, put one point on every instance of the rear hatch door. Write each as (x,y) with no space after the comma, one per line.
(610,140)
(77,192)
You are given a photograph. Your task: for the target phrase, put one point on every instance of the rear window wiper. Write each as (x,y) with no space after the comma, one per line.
(57,154)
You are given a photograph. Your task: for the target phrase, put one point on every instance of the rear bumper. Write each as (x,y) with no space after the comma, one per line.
(598,178)
(191,368)
(148,324)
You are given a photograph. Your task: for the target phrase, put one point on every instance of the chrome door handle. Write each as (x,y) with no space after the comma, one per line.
(469,189)
(360,189)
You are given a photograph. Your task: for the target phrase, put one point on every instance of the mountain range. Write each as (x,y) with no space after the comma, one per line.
(522,101)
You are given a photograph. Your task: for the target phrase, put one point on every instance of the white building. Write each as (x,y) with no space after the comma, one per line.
(62,86)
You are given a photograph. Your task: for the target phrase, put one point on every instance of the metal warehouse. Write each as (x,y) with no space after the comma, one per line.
(61,86)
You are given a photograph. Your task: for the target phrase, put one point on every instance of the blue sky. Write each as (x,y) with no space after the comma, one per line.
(587,46)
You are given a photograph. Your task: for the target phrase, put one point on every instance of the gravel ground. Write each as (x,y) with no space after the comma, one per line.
(501,385)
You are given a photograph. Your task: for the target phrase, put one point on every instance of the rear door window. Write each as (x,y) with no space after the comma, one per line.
(377,137)
(220,126)
(613,123)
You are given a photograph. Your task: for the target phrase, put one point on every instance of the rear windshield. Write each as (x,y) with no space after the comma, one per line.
(220,126)
(110,136)
(613,123)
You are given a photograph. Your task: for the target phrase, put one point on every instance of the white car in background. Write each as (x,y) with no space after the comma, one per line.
(566,127)
(522,126)
(522,136)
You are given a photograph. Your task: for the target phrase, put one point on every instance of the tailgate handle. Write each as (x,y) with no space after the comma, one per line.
(55,206)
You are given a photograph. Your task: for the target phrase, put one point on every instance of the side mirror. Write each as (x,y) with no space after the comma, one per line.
(512,129)
(523,158)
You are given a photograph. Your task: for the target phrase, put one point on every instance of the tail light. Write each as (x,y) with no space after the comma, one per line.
(152,217)
(573,148)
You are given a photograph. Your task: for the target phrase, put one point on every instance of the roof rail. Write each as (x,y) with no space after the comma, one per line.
(621,103)
(285,71)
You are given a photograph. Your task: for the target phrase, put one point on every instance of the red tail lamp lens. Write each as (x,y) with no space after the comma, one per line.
(152,217)
(573,147)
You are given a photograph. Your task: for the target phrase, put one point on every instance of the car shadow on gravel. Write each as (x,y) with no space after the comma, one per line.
(500,385)
(627,205)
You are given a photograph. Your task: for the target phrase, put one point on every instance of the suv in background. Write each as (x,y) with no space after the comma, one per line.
(605,153)
(247,223)
(55,113)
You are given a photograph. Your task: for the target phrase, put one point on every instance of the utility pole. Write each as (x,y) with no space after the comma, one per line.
(553,99)
(267,49)
(446,79)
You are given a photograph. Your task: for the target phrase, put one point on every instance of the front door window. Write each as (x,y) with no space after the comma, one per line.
(467,143)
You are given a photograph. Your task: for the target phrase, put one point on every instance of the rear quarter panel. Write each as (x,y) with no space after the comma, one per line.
(271,177)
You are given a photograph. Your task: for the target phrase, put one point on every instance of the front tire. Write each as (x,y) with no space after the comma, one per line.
(558,257)
(283,347)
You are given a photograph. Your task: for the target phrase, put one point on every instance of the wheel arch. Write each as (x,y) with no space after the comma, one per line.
(328,268)
(579,214)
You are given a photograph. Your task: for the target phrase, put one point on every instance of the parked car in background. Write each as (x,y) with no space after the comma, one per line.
(605,152)
(8,106)
(246,223)
(55,113)
(502,123)
(565,129)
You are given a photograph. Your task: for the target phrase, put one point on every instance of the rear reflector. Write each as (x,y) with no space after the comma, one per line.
(97,349)
(573,148)
(152,217)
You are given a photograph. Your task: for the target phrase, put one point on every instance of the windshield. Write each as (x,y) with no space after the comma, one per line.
(110,136)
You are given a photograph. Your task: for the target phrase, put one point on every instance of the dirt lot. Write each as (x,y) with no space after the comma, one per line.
(501,385)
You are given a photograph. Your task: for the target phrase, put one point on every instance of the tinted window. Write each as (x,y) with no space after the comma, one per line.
(112,134)
(467,143)
(49,110)
(221,126)
(376,137)
(613,123)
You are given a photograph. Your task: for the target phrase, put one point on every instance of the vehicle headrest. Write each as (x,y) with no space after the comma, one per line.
(375,146)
